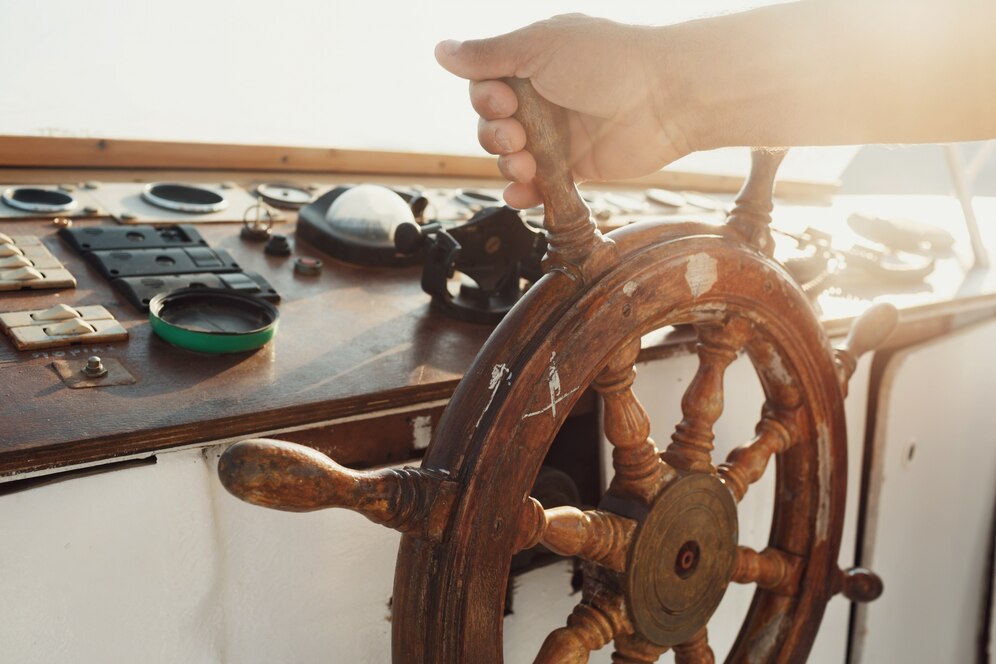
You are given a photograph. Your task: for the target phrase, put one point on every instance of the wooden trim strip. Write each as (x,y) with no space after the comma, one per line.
(50,152)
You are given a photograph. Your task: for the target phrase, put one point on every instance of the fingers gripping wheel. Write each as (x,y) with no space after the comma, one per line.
(662,547)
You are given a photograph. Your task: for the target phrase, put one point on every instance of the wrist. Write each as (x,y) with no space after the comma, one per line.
(673,92)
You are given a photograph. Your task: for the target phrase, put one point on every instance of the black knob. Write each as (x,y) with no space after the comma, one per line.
(278,245)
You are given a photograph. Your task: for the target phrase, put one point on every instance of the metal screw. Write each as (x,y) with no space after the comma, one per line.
(94,367)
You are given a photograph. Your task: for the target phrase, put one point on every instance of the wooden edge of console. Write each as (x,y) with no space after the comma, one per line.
(52,152)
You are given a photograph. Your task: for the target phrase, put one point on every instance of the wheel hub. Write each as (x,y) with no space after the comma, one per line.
(682,559)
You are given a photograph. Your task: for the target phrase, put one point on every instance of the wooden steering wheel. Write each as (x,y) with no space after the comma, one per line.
(662,547)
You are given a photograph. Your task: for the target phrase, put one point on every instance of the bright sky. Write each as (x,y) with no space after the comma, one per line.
(294,72)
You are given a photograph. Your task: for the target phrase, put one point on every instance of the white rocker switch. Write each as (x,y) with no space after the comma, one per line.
(26,263)
(21,274)
(8,249)
(11,262)
(58,312)
(69,328)
(61,325)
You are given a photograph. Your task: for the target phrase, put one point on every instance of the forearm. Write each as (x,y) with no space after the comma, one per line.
(821,72)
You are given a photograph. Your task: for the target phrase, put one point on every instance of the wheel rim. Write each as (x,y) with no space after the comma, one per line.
(653,286)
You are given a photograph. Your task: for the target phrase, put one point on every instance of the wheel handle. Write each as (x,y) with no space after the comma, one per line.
(574,243)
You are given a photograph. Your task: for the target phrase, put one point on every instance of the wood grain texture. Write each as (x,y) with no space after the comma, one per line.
(631,649)
(598,297)
(589,627)
(574,243)
(639,471)
(695,651)
(859,584)
(351,341)
(751,214)
(426,615)
(566,334)
(47,152)
(746,464)
(770,569)
(594,535)
(691,443)
(295,478)
(868,332)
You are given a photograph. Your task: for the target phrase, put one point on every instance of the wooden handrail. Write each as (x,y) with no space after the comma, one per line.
(112,153)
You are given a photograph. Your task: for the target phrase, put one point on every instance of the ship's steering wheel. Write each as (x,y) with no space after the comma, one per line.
(662,547)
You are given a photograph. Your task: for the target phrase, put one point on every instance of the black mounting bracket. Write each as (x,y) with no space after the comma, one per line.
(495,250)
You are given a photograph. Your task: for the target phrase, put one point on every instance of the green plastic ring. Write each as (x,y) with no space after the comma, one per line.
(213,320)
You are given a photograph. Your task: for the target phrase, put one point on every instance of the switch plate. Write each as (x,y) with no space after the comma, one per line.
(33,330)
(97,238)
(170,261)
(26,263)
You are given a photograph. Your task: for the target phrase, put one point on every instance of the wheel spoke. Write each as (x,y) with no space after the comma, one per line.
(746,464)
(631,649)
(771,569)
(639,471)
(702,404)
(695,650)
(597,536)
(591,625)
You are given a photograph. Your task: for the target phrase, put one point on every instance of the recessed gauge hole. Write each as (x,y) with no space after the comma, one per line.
(184,198)
(36,199)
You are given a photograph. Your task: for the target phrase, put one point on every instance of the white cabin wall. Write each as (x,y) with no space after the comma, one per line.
(116,567)
(302,587)
(159,564)
(930,514)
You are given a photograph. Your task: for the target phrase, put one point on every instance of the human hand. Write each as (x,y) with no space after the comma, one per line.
(607,75)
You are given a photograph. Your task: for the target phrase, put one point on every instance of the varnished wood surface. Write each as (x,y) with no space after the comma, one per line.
(581,325)
(351,341)
(36,151)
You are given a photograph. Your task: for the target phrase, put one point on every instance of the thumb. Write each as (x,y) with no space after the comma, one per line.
(482,59)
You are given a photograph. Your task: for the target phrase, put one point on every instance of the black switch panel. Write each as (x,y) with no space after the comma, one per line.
(154,262)
(97,238)
(139,290)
